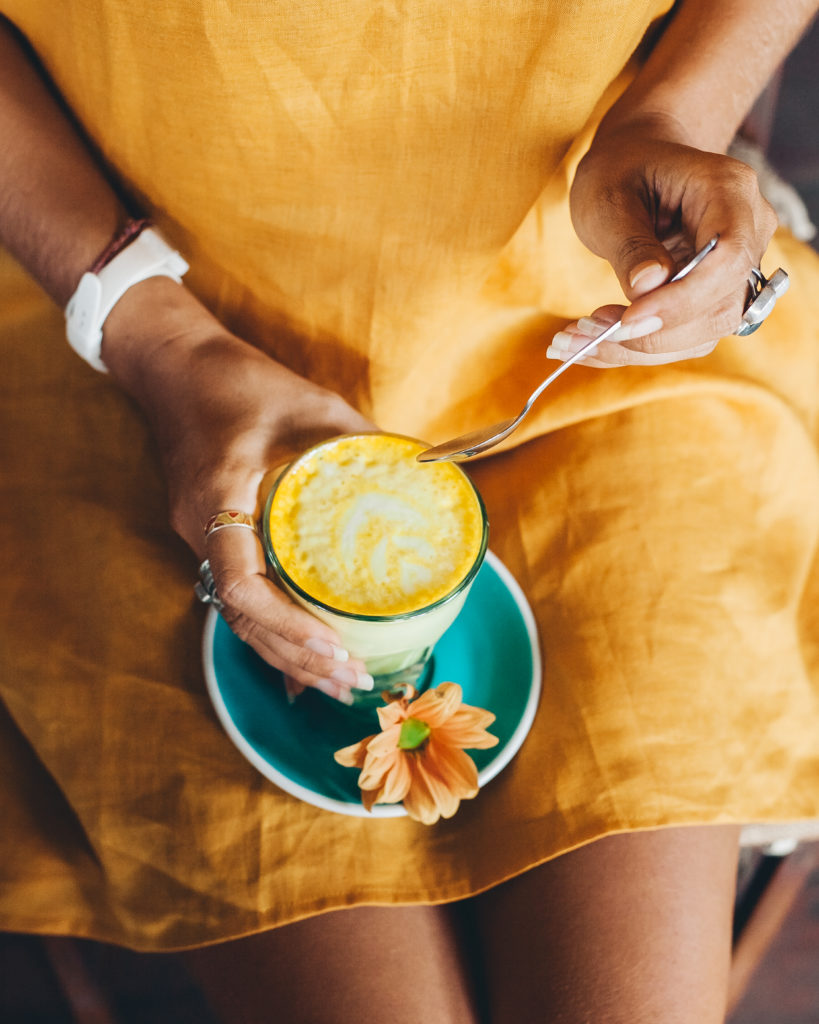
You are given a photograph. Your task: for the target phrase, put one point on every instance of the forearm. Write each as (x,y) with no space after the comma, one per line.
(710,65)
(58,211)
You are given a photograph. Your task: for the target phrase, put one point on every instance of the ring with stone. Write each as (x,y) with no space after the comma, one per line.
(205,589)
(230,517)
(763,293)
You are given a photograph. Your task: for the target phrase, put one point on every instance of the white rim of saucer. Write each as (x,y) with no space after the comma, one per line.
(310,796)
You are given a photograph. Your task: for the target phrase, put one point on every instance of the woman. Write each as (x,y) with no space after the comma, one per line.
(374,204)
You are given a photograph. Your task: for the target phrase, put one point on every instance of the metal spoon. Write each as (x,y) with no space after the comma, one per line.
(458,449)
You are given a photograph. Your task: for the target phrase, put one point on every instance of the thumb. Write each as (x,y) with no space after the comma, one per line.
(641,261)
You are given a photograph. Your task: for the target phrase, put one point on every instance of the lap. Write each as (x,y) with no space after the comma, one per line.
(631,928)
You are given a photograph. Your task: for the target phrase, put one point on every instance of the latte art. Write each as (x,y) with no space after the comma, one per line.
(362,527)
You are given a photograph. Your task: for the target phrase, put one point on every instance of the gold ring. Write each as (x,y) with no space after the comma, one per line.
(230,517)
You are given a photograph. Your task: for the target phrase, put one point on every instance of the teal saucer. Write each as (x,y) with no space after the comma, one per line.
(491,650)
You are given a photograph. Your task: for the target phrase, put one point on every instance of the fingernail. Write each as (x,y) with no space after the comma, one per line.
(562,341)
(637,328)
(331,689)
(349,676)
(592,326)
(326,650)
(647,275)
(573,345)
(553,353)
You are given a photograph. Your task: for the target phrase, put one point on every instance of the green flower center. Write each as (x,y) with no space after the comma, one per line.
(413,733)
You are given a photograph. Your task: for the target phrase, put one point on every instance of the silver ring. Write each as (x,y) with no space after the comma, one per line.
(763,293)
(205,589)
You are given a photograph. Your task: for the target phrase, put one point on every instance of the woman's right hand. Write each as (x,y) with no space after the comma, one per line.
(224,415)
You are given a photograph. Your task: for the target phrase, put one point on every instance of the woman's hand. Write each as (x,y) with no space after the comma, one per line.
(654,175)
(646,202)
(224,415)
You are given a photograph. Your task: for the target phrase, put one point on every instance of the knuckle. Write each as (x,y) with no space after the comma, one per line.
(246,629)
(723,321)
(236,591)
(300,675)
(633,247)
(653,344)
(744,176)
(231,586)
(307,661)
(771,221)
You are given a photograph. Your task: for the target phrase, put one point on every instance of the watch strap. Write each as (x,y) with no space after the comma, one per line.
(148,255)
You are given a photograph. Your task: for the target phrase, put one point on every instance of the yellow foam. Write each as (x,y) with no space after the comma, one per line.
(363,527)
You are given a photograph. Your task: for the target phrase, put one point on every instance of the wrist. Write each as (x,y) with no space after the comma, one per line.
(156,322)
(134,254)
(649,122)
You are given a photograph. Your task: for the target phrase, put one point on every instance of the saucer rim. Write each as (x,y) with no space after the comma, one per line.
(504,755)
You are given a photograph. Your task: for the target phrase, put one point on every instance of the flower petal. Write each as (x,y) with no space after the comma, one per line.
(453,767)
(353,756)
(472,716)
(419,803)
(386,742)
(375,771)
(442,796)
(397,783)
(466,733)
(435,706)
(392,713)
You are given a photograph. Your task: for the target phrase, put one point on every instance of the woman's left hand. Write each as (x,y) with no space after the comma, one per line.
(646,202)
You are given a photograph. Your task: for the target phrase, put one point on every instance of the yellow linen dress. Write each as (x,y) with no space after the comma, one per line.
(375,194)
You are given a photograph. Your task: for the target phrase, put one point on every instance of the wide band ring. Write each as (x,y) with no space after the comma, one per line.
(763,293)
(205,589)
(230,517)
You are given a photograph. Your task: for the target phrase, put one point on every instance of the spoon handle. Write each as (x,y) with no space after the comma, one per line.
(458,449)
(591,344)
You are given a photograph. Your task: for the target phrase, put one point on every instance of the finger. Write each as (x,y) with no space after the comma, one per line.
(301,663)
(613,355)
(574,335)
(292,689)
(633,248)
(591,361)
(696,334)
(670,346)
(285,635)
(744,221)
(623,356)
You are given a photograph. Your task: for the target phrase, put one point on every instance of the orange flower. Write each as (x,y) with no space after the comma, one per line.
(418,756)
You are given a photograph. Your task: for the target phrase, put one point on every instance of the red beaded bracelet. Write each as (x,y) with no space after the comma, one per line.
(119,242)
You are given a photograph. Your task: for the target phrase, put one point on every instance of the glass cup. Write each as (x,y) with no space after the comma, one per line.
(395,648)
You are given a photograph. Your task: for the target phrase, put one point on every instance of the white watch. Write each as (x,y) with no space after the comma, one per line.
(97,294)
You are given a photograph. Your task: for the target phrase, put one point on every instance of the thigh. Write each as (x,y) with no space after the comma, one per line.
(383,965)
(632,928)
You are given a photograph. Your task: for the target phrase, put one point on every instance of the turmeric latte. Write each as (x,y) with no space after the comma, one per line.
(360,526)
